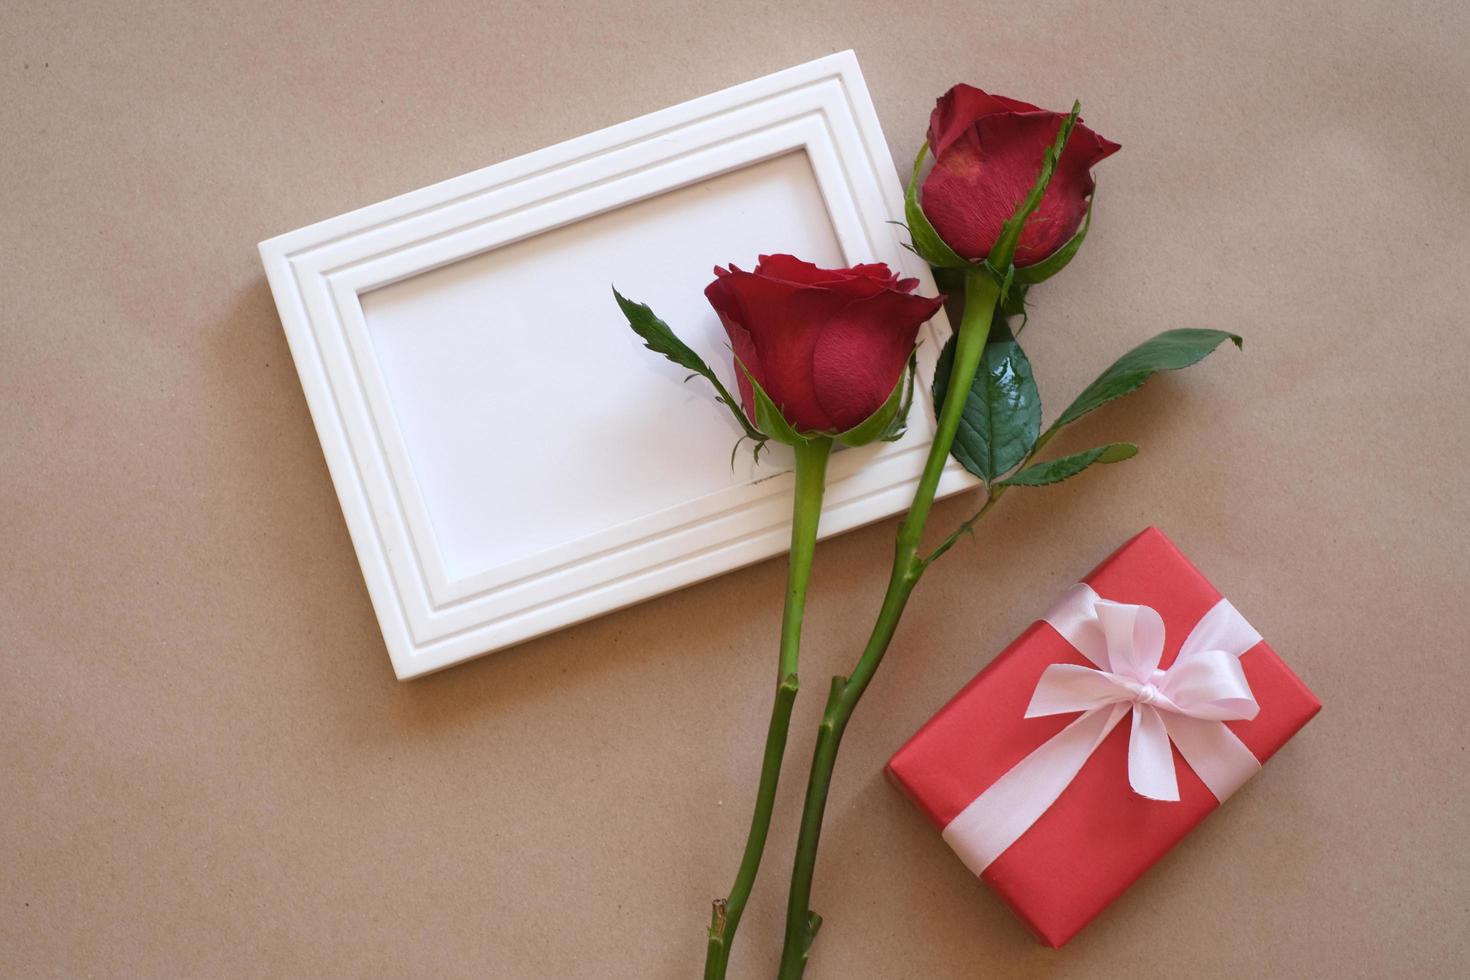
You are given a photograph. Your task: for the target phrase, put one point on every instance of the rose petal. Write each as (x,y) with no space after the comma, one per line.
(1065,204)
(792,269)
(878,271)
(958,109)
(862,353)
(727,308)
(784,321)
(873,277)
(967,201)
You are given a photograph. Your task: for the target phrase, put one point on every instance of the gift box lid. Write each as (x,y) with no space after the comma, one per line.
(1099,836)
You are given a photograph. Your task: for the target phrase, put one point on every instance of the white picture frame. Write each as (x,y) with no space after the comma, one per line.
(509,459)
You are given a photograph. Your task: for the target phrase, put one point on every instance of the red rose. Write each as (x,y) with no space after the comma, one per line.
(987,152)
(828,346)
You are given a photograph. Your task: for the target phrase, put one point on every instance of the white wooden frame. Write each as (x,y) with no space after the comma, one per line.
(430,618)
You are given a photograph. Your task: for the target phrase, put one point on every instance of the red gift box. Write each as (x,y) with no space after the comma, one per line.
(1099,835)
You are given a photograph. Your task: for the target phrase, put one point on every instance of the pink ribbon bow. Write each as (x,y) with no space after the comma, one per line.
(1186,705)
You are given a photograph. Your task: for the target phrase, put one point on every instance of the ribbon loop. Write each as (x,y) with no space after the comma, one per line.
(1210,684)
(1065,688)
(1135,638)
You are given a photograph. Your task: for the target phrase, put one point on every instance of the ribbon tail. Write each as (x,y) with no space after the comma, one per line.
(1150,760)
(1213,751)
(998,817)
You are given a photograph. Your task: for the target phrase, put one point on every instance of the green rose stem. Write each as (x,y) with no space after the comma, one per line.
(982,294)
(985,289)
(811,476)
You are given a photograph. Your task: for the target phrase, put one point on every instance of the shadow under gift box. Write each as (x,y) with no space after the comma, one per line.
(1099,836)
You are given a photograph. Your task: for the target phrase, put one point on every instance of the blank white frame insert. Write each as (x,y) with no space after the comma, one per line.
(509,459)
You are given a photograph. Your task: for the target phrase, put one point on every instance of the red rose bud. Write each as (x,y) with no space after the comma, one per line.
(987,152)
(828,346)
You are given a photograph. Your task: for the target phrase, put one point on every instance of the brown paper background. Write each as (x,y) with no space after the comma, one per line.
(208,768)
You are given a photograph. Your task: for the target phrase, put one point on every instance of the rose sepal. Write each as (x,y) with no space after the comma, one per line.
(927,243)
(890,421)
(771,422)
(900,423)
(887,424)
(1041,271)
(1014,303)
(1003,252)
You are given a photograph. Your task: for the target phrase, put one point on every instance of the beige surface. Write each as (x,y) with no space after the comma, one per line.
(208,769)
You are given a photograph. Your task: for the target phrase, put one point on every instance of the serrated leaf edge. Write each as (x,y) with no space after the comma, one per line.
(1112,452)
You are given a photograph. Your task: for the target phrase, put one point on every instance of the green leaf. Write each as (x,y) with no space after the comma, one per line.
(1169,351)
(1057,470)
(1057,261)
(927,243)
(768,416)
(658,338)
(1002,415)
(1003,252)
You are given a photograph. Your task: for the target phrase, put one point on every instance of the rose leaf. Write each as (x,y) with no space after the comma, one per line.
(1168,351)
(1002,415)
(659,338)
(1057,470)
